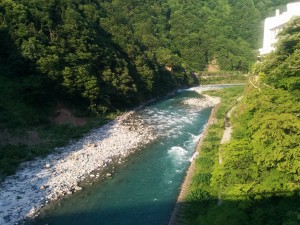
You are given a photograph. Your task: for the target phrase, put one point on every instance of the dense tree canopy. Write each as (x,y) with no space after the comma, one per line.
(99,56)
(91,50)
(112,54)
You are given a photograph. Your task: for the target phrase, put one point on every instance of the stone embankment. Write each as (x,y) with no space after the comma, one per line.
(42,181)
(209,101)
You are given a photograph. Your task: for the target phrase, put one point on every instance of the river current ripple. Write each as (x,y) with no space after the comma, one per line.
(142,190)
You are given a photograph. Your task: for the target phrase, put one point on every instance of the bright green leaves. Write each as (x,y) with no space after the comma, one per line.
(50,65)
(167,58)
(258,177)
(266,157)
(272,127)
(32,49)
(281,67)
(238,172)
(205,30)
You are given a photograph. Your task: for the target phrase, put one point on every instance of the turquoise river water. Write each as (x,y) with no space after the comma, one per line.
(142,191)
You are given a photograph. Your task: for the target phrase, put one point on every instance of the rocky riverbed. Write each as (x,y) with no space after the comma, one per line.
(207,101)
(42,181)
(45,180)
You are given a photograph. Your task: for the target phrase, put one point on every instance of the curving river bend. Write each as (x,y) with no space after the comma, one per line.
(143,190)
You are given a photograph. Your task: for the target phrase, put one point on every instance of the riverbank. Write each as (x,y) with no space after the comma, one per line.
(199,190)
(46,180)
(176,218)
(239,185)
(42,181)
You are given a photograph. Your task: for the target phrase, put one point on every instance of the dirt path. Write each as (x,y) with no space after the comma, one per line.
(228,130)
(226,137)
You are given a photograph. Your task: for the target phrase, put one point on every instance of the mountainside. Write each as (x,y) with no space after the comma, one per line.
(117,53)
(73,59)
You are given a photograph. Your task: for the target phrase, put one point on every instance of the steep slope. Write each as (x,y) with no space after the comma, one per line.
(257,180)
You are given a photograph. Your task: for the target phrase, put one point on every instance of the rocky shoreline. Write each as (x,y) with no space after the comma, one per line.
(42,181)
(61,174)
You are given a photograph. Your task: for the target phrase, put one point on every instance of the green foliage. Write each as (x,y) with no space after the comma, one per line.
(274,132)
(88,51)
(205,30)
(103,56)
(267,7)
(222,77)
(115,54)
(201,195)
(50,136)
(259,174)
(281,67)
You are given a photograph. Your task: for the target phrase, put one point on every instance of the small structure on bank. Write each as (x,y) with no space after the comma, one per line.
(274,24)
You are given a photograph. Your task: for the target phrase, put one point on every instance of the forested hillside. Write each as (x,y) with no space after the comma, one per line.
(119,53)
(255,178)
(94,57)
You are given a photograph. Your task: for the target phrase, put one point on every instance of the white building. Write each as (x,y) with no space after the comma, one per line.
(273,25)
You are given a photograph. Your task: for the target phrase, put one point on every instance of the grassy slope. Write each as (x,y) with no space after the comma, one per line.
(253,188)
(200,193)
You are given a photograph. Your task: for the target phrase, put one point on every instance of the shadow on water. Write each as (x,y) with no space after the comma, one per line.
(147,214)
(131,196)
(280,208)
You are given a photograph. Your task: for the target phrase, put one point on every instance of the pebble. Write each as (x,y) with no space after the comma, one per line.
(77,188)
(70,166)
(47,166)
(42,187)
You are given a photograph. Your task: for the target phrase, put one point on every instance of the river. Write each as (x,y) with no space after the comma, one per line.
(144,189)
